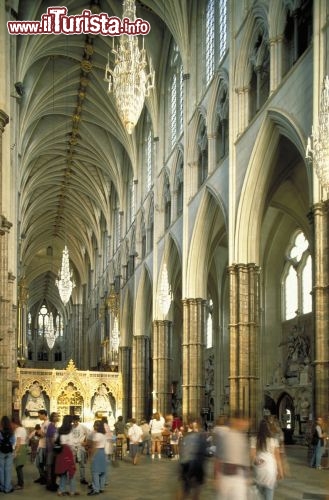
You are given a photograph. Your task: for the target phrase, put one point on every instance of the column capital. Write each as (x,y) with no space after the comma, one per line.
(4,119)
(162,322)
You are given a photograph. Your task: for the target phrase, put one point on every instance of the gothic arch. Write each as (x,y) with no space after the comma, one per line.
(210,226)
(254,192)
(257,22)
(221,81)
(143,305)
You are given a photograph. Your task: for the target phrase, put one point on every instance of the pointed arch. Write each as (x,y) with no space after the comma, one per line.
(256,185)
(209,228)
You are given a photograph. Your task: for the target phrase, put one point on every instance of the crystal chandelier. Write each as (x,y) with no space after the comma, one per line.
(115,335)
(50,334)
(317,149)
(65,284)
(164,295)
(129,80)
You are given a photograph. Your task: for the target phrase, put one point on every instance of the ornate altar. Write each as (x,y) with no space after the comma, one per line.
(70,391)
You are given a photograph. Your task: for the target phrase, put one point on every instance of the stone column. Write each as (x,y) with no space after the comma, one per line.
(141,374)
(162,365)
(194,326)
(321,303)
(125,369)
(21,322)
(244,339)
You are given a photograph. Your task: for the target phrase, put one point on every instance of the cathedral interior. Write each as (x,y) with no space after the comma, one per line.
(196,239)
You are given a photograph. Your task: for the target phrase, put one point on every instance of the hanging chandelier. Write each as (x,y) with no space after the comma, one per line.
(115,335)
(50,333)
(65,284)
(317,149)
(164,295)
(129,80)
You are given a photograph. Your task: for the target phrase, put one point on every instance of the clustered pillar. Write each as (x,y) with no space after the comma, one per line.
(244,328)
(141,374)
(194,326)
(321,302)
(124,368)
(162,365)
(7,313)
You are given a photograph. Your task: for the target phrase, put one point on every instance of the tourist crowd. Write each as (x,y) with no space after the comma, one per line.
(244,466)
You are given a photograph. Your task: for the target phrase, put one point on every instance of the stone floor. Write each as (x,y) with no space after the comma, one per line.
(157,480)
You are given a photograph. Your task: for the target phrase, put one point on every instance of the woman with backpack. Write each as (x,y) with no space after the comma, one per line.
(265,457)
(7,444)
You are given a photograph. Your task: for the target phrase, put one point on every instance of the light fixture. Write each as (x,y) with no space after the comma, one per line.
(317,149)
(50,334)
(115,335)
(129,80)
(164,295)
(65,284)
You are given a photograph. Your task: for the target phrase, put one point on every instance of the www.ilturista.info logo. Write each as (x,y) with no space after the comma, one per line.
(57,22)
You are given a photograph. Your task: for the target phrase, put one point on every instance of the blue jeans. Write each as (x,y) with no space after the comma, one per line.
(98,481)
(6,465)
(64,481)
(317,455)
(266,493)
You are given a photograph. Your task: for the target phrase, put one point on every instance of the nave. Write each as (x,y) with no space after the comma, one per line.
(151,480)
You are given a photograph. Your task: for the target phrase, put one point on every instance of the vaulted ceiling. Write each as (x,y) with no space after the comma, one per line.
(74,154)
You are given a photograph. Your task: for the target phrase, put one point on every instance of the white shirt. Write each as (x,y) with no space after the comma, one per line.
(98,439)
(21,434)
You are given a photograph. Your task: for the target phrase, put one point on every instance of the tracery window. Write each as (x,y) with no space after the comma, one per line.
(117,228)
(260,75)
(209,327)
(222,123)
(215,35)
(179,186)
(149,154)
(143,242)
(297,33)
(131,202)
(59,325)
(203,154)
(151,228)
(29,324)
(176,97)
(297,282)
(167,203)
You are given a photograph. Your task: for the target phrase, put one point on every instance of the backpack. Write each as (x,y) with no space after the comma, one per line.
(5,443)
(315,438)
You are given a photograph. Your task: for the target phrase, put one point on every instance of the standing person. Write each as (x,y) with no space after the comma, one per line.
(318,444)
(7,443)
(265,457)
(20,451)
(156,427)
(192,461)
(96,445)
(146,437)
(120,429)
(79,437)
(232,460)
(64,461)
(51,434)
(108,448)
(34,441)
(40,460)
(135,438)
